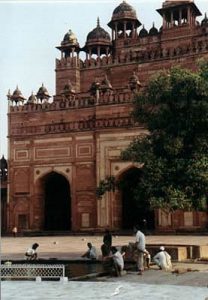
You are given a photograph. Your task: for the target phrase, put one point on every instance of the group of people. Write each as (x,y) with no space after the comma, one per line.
(143,258)
(115,258)
(110,254)
(162,259)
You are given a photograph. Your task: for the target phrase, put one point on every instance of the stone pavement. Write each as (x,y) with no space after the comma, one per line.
(72,247)
(190,283)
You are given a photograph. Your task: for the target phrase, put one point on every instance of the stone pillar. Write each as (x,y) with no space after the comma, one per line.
(116,30)
(124,29)
(133,30)
(171,19)
(180,17)
(112,34)
(189,16)
(107,51)
(72,52)
(98,50)
(97,96)
(164,21)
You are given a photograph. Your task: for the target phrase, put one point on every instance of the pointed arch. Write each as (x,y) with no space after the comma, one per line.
(56,197)
(131,209)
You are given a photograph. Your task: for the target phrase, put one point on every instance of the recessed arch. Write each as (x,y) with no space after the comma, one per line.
(57,202)
(133,209)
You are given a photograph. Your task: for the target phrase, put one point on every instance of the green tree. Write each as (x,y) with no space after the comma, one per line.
(174,108)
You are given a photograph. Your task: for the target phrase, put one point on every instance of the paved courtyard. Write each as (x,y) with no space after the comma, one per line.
(153,285)
(72,247)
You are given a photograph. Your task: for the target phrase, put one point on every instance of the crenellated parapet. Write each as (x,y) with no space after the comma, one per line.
(76,102)
(88,124)
(154,51)
(70,62)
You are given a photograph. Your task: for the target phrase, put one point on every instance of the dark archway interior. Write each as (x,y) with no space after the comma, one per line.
(57,203)
(134,210)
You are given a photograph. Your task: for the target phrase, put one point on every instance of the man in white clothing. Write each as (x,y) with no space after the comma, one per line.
(140,246)
(163,259)
(91,252)
(31,253)
(118,261)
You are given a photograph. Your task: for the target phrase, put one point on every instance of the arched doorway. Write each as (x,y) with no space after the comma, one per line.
(57,210)
(134,208)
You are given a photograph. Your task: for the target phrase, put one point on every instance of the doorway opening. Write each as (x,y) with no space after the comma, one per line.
(135,210)
(57,208)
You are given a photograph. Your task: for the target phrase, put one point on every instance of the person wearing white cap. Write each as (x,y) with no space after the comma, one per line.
(163,259)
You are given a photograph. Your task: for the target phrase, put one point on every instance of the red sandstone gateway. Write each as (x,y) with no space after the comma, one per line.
(61,147)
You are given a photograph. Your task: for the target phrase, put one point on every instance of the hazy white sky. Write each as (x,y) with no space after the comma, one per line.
(30,31)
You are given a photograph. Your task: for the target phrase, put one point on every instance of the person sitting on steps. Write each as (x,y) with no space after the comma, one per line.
(91,253)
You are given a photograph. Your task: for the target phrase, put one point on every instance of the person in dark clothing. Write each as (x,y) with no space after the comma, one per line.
(107,238)
(105,249)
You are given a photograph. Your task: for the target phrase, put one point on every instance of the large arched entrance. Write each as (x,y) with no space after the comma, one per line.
(134,209)
(57,210)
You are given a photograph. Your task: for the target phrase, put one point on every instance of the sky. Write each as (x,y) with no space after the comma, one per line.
(31,30)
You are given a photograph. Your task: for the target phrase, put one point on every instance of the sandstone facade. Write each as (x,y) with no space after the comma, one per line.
(61,147)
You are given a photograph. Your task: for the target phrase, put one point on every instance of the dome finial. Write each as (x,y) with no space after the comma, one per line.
(98,22)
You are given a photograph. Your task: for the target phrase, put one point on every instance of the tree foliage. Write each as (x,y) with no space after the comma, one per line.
(174,108)
(106,185)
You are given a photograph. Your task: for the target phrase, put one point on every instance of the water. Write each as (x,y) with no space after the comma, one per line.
(82,269)
(73,290)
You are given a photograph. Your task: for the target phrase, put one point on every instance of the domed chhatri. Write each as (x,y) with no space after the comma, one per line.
(3,169)
(153,30)
(98,34)
(143,32)
(16,96)
(68,89)
(32,99)
(3,163)
(124,18)
(69,39)
(204,22)
(124,10)
(42,93)
(134,82)
(170,3)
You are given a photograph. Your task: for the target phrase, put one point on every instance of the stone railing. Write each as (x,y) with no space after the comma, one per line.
(29,271)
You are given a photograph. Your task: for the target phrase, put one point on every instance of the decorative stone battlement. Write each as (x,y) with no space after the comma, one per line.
(81,125)
(75,102)
(141,55)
